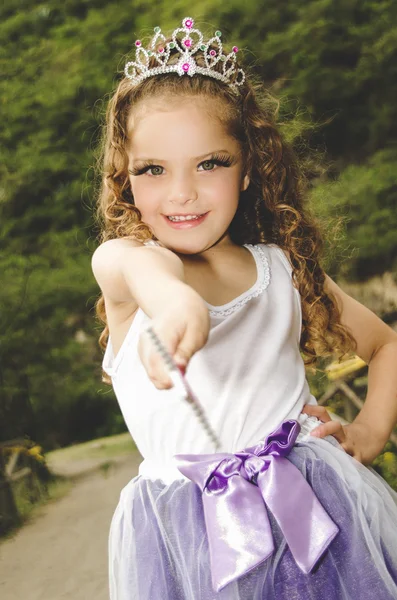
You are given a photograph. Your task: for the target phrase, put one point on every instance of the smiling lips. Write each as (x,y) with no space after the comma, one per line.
(183,217)
(185,221)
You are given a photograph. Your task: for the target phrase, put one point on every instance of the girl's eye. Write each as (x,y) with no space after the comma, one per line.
(153,168)
(221,161)
(208,162)
(141,170)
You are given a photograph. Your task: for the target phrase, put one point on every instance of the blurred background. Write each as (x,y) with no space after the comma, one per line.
(332,64)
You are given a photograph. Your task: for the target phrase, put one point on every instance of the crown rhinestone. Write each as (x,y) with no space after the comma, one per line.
(139,70)
(188,22)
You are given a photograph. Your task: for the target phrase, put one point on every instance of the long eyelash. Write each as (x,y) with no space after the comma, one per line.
(140,170)
(222,160)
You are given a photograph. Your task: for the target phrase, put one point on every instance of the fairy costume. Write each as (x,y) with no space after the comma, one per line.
(275,513)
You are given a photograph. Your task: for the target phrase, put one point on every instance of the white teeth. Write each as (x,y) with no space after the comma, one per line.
(187,218)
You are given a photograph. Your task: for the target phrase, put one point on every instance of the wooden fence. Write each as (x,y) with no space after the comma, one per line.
(342,378)
(22,471)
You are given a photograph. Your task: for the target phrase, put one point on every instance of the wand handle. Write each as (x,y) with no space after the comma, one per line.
(180,383)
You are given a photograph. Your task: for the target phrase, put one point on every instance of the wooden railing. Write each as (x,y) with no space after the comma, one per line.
(339,374)
(20,459)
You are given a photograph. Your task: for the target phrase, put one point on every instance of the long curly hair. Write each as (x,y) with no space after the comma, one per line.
(271,210)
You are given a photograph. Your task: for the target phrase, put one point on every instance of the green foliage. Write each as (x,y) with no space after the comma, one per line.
(386,465)
(365,197)
(48,370)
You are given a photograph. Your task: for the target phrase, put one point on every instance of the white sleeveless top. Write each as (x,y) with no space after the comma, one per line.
(249,377)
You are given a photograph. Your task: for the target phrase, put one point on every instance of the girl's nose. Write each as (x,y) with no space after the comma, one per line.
(182,190)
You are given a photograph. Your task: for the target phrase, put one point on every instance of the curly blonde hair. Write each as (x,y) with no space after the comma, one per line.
(270,210)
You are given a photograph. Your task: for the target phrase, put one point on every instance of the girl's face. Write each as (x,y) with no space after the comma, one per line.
(182,162)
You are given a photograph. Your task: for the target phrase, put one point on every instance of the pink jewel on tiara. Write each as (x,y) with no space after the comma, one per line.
(192,41)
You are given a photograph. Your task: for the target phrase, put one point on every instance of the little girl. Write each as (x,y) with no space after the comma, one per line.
(207,239)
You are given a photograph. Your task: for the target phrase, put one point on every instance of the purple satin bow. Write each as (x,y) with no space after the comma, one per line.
(236,488)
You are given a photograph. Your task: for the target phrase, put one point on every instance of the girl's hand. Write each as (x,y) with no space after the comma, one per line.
(183,327)
(356,439)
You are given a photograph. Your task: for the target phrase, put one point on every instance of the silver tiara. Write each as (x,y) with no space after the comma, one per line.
(192,42)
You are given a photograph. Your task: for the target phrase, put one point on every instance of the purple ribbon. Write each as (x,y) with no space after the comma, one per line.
(236,488)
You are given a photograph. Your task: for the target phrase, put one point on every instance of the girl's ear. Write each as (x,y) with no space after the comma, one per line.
(245,183)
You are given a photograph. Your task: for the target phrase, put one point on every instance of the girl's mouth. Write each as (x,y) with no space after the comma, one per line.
(186,224)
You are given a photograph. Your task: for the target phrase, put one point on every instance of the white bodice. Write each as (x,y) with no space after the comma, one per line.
(249,377)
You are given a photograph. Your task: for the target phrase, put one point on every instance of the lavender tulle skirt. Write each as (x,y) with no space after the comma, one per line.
(158,545)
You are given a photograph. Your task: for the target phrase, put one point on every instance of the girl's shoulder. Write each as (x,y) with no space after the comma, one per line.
(283,253)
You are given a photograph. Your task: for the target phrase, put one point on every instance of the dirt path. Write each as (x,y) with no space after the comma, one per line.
(62,553)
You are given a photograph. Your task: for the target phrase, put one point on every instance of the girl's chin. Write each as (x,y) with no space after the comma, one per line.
(186,246)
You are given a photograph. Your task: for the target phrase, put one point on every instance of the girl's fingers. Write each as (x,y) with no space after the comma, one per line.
(317,411)
(331,428)
(152,362)
(161,385)
(158,379)
(347,448)
(192,338)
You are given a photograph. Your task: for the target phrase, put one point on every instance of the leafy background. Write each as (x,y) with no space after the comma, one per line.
(332,63)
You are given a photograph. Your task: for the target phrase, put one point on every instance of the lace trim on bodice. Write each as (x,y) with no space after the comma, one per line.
(263,279)
(257,289)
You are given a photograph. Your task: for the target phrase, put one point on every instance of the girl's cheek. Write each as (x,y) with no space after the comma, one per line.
(145,200)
